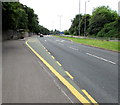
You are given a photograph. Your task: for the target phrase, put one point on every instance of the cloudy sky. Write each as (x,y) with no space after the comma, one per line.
(49,11)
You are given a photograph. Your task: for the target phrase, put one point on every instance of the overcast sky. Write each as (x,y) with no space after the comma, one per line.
(48,10)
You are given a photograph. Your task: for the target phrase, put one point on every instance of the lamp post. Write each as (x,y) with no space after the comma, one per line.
(60,16)
(85,19)
(119,8)
(79,18)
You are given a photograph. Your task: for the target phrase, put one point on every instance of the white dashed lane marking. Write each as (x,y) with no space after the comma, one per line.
(61,44)
(73,48)
(101,58)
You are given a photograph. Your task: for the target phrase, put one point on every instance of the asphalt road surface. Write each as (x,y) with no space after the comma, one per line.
(93,69)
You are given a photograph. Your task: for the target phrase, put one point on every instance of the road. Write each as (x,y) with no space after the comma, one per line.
(93,69)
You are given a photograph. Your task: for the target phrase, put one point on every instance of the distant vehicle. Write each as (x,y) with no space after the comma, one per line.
(41,35)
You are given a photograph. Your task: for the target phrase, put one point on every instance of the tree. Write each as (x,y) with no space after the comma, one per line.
(74,29)
(9,15)
(101,16)
(66,32)
(85,20)
(22,19)
(18,16)
(33,23)
(14,16)
(111,29)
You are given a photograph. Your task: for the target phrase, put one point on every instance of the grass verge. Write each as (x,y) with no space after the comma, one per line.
(108,45)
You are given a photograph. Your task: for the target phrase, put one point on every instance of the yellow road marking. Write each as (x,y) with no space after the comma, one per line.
(75,92)
(49,53)
(90,98)
(69,75)
(58,63)
(53,57)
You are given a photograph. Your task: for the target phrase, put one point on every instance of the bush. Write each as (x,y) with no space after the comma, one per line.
(66,32)
(109,30)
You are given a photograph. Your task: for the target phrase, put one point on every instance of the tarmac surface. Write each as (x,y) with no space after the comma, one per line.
(93,69)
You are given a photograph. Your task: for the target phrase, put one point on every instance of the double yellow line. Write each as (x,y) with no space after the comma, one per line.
(74,91)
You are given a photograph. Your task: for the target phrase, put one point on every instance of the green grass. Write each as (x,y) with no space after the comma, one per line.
(109,45)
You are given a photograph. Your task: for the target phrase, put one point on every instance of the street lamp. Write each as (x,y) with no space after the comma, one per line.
(119,8)
(79,18)
(85,19)
(60,16)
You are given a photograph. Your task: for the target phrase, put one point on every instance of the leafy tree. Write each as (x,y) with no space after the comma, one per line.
(103,22)
(43,30)
(66,32)
(84,19)
(32,19)
(74,29)
(18,16)
(14,17)
(111,29)
(101,16)
(54,32)
(9,15)
(22,19)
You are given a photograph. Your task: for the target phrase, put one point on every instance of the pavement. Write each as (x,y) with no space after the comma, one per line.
(25,79)
(93,69)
